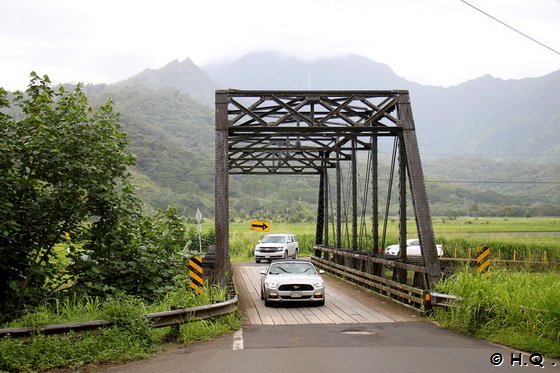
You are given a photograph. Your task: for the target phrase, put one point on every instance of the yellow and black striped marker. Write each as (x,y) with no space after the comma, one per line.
(483,259)
(196,274)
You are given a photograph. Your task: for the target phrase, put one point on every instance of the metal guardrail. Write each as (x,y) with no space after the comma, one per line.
(158,320)
(401,292)
(407,282)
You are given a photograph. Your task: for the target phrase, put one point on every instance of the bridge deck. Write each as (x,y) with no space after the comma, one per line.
(345,303)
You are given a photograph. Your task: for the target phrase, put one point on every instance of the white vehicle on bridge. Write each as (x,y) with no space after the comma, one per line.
(276,246)
(412,248)
(292,281)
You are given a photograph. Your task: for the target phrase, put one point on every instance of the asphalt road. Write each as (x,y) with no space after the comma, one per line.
(381,347)
(410,345)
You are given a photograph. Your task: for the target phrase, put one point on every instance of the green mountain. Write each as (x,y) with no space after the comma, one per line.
(184,76)
(168,115)
(485,116)
(171,135)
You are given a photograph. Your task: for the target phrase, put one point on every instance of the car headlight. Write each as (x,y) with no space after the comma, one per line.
(270,284)
(281,248)
(318,284)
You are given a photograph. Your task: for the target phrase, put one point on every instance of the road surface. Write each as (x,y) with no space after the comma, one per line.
(356,331)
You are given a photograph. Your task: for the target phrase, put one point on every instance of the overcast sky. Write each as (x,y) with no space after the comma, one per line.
(437,42)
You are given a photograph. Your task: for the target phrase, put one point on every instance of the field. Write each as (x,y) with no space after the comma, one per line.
(534,239)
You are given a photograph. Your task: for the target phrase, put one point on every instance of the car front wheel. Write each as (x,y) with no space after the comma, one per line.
(295,254)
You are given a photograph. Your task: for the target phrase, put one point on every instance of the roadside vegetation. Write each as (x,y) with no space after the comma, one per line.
(516,309)
(130,338)
(76,242)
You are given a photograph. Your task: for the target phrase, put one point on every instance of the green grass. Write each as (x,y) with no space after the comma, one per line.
(460,237)
(40,353)
(130,337)
(517,309)
(208,329)
(486,225)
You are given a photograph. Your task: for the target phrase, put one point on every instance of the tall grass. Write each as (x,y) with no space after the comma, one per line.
(518,309)
(129,338)
(520,248)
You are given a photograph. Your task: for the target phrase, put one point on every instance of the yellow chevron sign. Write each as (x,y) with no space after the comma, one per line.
(196,274)
(483,258)
(262,226)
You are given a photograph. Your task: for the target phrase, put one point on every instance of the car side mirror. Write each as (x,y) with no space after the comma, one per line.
(263,272)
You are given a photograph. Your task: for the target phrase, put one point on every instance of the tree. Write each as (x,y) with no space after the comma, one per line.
(63,164)
(473,209)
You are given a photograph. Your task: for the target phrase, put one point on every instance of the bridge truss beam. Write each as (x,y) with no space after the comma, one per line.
(310,132)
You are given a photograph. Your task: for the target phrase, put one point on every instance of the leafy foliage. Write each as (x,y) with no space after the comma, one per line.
(141,255)
(65,182)
(62,164)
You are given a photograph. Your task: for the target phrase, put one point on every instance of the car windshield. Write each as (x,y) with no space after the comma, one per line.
(274,239)
(284,268)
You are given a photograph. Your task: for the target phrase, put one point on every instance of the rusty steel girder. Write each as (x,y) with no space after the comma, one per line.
(310,132)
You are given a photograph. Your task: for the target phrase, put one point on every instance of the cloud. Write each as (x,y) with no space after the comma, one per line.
(432,42)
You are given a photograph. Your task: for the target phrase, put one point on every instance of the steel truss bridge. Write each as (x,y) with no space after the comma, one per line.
(321,133)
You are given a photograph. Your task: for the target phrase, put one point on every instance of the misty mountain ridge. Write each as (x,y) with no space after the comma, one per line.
(184,76)
(168,115)
(271,70)
(486,116)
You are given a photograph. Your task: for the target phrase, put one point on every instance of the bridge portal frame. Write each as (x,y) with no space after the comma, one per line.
(309,132)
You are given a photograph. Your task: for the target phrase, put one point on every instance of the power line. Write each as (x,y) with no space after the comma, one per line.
(511,27)
(485,155)
(491,182)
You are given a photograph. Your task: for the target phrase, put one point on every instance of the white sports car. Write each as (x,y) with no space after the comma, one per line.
(412,248)
(292,281)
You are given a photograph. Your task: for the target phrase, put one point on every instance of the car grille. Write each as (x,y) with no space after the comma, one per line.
(296,287)
(267,250)
(304,297)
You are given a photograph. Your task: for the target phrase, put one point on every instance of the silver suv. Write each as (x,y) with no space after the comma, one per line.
(276,246)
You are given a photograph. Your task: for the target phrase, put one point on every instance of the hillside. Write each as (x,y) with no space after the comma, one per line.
(185,76)
(485,116)
(270,70)
(489,116)
(168,115)
(171,136)
(179,165)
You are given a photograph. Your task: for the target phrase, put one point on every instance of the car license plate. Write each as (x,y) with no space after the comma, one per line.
(295,294)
